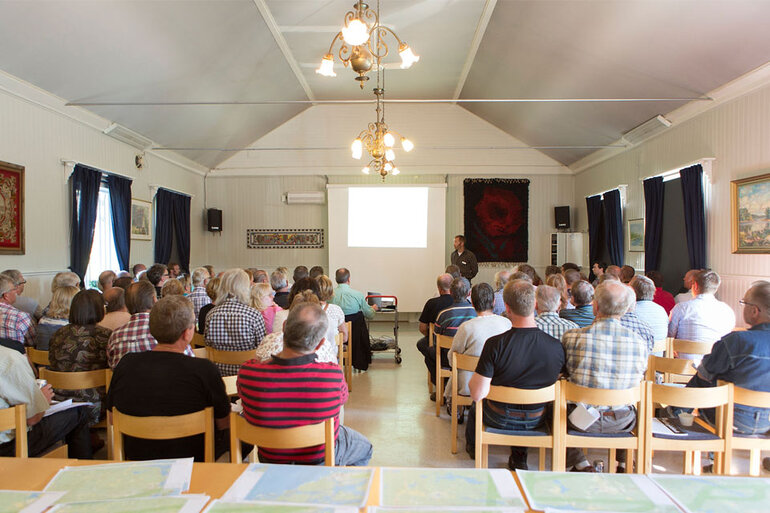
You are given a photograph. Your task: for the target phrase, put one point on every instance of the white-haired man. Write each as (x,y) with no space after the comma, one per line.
(547,300)
(198,296)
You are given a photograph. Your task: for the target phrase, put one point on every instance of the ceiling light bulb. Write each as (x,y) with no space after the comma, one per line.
(390,154)
(407,144)
(365,170)
(407,56)
(327,66)
(395,171)
(355,33)
(388,166)
(357,149)
(389,140)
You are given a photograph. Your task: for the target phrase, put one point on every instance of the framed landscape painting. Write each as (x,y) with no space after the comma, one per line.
(11,209)
(751,214)
(141,217)
(636,235)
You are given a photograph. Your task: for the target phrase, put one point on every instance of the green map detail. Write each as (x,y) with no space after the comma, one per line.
(311,485)
(156,505)
(112,482)
(235,507)
(12,502)
(718,494)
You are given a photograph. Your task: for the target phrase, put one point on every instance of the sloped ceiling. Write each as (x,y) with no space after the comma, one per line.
(233,50)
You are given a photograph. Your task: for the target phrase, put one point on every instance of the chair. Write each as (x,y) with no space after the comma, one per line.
(201,352)
(280,438)
(230,357)
(15,418)
(431,338)
(442,342)
(698,438)
(633,441)
(198,340)
(164,428)
(541,437)
(38,357)
(752,443)
(347,358)
(230,385)
(460,362)
(661,346)
(675,370)
(679,345)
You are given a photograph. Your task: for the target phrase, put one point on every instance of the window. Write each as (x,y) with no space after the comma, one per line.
(103,255)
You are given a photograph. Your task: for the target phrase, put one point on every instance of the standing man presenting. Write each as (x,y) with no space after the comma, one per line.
(464,259)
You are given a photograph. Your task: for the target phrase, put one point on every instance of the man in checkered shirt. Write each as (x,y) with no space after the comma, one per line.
(605,355)
(547,300)
(14,324)
(134,336)
(199,298)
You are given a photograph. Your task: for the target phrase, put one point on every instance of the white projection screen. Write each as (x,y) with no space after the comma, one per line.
(391,237)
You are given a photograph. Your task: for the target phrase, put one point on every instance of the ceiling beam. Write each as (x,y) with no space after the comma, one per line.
(284,46)
(481,28)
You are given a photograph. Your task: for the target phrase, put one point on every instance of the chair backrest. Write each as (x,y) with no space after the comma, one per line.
(198,340)
(74,380)
(281,438)
(230,357)
(600,396)
(464,362)
(340,352)
(37,356)
(164,428)
(107,378)
(523,396)
(669,367)
(443,341)
(15,418)
(746,397)
(230,384)
(689,397)
(201,352)
(679,345)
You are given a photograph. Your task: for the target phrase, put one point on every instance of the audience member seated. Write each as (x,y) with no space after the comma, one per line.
(598,269)
(63,279)
(547,301)
(609,356)
(501,278)
(453,271)
(569,266)
(173,270)
(296,288)
(632,321)
(522,357)
(300,272)
(157,274)
(662,297)
(106,280)
(14,324)
(123,282)
(18,386)
(172,288)
(471,336)
(613,270)
(316,271)
(25,304)
(232,325)
(117,313)
(165,382)
(647,310)
(333,312)
(57,315)
(583,313)
(704,318)
(198,296)
(281,287)
(211,291)
(210,269)
(262,300)
(81,345)
(518,275)
(558,282)
(261,277)
(137,270)
(552,269)
(530,271)
(293,389)
(351,301)
(431,310)
(685,293)
(627,273)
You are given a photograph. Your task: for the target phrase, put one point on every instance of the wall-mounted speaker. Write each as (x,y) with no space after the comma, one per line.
(561,214)
(214,219)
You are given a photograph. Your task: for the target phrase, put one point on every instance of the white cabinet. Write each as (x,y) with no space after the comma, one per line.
(567,247)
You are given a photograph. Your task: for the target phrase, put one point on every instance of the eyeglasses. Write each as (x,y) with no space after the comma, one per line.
(21,283)
(746,303)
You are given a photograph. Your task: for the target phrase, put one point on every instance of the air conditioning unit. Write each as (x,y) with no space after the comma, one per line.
(127,136)
(649,128)
(305,198)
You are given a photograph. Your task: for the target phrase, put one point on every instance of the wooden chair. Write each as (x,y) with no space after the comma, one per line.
(679,345)
(198,340)
(230,385)
(466,363)
(230,357)
(442,342)
(347,358)
(431,339)
(38,357)
(701,437)
(752,443)
(661,346)
(201,352)
(540,438)
(164,428)
(633,441)
(280,438)
(674,370)
(15,418)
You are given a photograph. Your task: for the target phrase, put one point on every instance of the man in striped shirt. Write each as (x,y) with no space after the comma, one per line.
(547,301)
(293,389)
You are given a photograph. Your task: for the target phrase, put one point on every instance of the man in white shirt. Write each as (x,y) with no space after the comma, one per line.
(647,310)
(687,280)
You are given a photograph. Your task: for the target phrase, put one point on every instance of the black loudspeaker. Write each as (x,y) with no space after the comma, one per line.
(214,220)
(562,216)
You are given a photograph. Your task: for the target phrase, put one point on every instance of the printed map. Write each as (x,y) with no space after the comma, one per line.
(717,494)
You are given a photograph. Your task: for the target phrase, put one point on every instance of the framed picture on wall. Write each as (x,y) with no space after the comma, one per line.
(11,209)
(141,219)
(636,235)
(751,214)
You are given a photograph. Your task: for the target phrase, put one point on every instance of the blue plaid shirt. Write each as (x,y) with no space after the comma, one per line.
(551,323)
(580,315)
(632,321)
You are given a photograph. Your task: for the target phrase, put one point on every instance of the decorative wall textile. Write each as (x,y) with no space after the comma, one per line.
(497,218)
(653,228)
(11,209)
(86,183)
(279,239)
(694,215)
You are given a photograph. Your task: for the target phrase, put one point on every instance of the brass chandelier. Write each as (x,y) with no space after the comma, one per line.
(363,44)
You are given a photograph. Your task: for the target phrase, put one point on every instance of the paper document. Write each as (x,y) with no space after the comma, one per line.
(177,504)
(26,502)
(666,427)
(58,406)
(716,494)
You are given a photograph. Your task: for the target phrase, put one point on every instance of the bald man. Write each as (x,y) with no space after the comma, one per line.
(117,313)
(431,310)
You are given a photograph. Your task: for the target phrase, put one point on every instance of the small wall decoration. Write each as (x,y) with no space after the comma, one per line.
(751,214)
(141,219)
(11,209)
(281,239)
(636,235)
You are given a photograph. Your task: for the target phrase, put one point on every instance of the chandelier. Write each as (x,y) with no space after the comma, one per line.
(363,44)
(379,140)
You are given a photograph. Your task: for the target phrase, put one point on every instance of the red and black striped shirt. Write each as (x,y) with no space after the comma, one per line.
(281,393)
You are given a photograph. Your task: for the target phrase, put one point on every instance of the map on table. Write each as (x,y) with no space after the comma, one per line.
(698,494)
(298,484)
(576,491)
(122,480)
(13,501)
(441,487)
(380,509)
(178,504)
(220,506)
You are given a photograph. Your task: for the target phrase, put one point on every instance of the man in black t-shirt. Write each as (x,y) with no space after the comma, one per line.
(522,357)
(165,382)
(430,312)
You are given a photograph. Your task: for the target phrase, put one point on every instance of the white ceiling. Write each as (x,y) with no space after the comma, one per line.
(233,50)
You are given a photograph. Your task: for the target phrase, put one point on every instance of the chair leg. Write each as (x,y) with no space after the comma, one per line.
(754,458)
(611,463)
(439,394)
(454,426)
(719,463)
(541,456)
(696,466)
(485,456)
(430,385)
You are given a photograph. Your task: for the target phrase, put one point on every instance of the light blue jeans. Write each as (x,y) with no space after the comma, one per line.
(352,449)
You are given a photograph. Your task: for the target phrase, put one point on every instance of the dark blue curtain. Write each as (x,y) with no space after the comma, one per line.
(653,225)
(120,204)
(86,182)
(613,224)
(181,207)
(164,225)
(594,210)
(694,215)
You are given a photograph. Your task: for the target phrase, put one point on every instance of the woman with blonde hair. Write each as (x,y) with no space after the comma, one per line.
(333,312)
(557,281)
(262,301)
(57,315)
(233,325)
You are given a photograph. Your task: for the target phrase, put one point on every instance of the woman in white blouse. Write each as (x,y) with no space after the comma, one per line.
(333,312)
